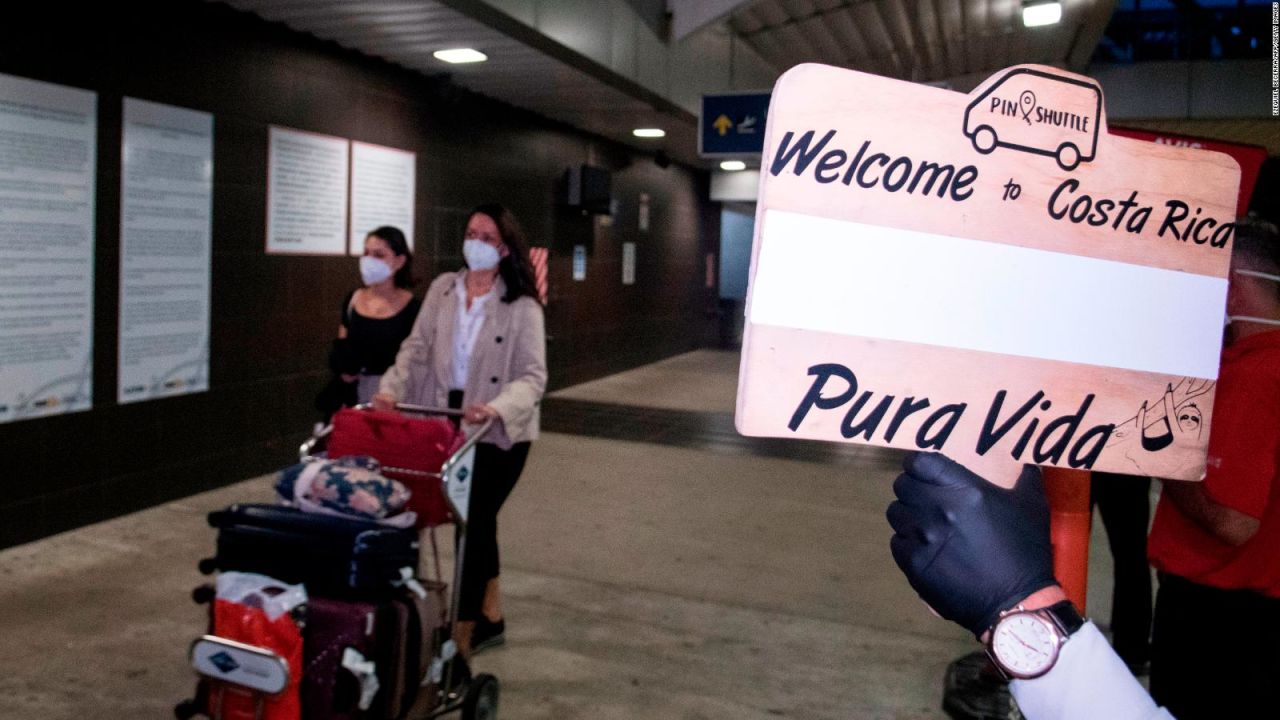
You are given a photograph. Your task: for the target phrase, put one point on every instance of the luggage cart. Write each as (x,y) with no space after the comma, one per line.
(455,687)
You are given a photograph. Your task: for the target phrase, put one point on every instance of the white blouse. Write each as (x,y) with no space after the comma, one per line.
(466,330)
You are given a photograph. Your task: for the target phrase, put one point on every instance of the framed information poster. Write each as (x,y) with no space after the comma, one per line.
(48,148)
(166,212)
(990,275)
(307,178)
(382,191)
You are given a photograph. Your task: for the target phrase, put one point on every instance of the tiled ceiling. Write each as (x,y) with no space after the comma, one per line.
(960,41)
(919,40)
(523,68)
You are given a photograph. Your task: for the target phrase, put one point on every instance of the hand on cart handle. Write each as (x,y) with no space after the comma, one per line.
(384,401)
(478,414)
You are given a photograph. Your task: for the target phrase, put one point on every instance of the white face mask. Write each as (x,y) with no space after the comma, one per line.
(373,270)
(1246,318)
(480,255)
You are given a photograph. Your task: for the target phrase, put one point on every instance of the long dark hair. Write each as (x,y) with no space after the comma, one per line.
(395,240)
(516,269)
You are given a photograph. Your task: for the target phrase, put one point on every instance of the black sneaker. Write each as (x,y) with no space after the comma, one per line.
(487,635)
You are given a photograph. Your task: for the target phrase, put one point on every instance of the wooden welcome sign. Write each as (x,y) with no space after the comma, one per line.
(989,275)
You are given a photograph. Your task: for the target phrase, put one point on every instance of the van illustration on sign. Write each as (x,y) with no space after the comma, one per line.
(1012,113)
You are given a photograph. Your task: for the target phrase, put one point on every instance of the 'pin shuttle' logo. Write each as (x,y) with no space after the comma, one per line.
(1039,113)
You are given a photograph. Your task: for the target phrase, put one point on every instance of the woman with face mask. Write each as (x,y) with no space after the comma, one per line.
(479,345)
(377,317)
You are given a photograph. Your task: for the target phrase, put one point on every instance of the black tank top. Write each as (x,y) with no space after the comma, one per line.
(374,342)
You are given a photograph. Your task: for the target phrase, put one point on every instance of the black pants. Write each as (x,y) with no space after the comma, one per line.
(496,473)
(1215,653)
(1124,504)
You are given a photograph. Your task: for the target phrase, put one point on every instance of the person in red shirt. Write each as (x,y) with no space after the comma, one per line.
(1215,649)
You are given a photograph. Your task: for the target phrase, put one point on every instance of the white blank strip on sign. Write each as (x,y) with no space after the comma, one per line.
(849,278)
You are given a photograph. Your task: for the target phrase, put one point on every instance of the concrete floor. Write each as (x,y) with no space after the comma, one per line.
(640,581)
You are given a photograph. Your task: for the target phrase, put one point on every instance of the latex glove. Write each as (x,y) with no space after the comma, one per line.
(970,548)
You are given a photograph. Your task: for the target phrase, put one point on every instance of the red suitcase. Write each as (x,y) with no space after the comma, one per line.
(408,447)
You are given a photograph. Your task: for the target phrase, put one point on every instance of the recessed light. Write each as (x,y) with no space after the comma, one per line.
(460,55)
(1036,14)
(733,165)
(649,132)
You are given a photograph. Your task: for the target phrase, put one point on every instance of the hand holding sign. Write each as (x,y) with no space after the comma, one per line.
(942,553)
(943,316)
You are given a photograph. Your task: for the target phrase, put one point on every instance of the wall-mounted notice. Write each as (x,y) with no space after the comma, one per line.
(382,186)
(166,205)
(579,262)
(628,263)
(48,137)
(307,193)
(1001,279)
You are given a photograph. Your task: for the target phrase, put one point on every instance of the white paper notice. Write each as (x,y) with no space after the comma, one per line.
(48,137)
(307,193)
(165,237)
(628,263)
(382,186)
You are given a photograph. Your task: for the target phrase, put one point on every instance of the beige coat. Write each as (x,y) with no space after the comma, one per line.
(508,365)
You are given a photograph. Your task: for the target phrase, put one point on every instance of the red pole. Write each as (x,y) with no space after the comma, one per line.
(1069,518)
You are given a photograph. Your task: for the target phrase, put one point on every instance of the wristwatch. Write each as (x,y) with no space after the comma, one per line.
(1024,643)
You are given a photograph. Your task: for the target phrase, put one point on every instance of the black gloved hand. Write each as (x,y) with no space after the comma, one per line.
(970,548)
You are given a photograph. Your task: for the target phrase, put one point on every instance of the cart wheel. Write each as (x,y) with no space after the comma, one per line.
(207,566)
(186,710)
(203,594)
(482,699)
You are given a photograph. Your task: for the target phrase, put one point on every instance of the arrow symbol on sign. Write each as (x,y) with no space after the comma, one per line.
(722,125)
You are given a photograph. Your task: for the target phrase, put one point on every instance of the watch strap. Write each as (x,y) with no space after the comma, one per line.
(1066,616)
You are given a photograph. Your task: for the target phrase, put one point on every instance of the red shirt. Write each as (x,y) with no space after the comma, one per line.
(1242,473)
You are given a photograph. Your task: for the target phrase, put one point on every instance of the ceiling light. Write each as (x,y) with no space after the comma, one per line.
(1037,13)
(733,165)
(460,55)
(649,132)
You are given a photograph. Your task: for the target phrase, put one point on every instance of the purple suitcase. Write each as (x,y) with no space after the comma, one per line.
(331,691)
(400,636)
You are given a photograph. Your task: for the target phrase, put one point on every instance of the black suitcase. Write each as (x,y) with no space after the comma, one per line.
(333,556)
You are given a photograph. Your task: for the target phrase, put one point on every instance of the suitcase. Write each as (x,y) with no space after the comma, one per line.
(401,442)
(399,635)
(413,642)
(336,557)
(331,691)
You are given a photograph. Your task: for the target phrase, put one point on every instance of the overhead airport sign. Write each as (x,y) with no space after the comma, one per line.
(732,125)
(993,276)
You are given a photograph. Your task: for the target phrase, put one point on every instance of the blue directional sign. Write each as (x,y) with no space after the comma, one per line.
(732,125)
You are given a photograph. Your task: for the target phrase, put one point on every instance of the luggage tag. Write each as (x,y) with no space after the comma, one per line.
(407,580)
(366,673)
(436,673)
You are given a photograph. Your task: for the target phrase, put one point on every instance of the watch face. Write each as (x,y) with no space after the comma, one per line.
(1025,644)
